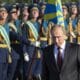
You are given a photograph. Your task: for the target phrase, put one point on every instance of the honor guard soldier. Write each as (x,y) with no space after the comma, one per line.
(15,17)
(8,56)
(25,12)
(17,41)
(43,25)
(25,18)
(32,29)
(74,20)
(43,7)
(78,25)
(4,50)
(65,9)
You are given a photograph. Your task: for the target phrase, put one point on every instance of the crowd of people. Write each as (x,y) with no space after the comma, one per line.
(24,33)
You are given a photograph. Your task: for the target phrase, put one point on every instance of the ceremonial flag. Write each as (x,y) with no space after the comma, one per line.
(53,12)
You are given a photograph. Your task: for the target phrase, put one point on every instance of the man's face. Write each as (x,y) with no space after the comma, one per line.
(35,13)
(14,15)
(4,14)
(43,10)
(65,11)
(25,12)
(58,36)
(74,10)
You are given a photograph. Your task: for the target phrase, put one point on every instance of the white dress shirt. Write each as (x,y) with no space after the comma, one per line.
(62,48)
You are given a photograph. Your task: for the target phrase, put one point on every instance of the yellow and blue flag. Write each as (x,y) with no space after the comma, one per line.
(53,12)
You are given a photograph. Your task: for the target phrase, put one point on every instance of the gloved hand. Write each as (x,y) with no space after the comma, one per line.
(36,44)
(72,34)
(26,57)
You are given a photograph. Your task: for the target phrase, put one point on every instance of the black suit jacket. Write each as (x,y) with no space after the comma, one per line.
(71,64)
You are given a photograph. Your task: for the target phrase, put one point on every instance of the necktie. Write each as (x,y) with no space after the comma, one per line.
(59,58)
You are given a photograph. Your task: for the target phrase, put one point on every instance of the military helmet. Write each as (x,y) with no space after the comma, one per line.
(42,5)
(35,7)
(73,5)
(25,6)
(13,8)
(3,7)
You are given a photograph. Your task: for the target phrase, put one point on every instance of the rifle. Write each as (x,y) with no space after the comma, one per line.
(49,39)
(30,76)
(70,29)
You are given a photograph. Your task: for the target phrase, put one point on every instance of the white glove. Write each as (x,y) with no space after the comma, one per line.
(26,57)
(74,36)
(36,44)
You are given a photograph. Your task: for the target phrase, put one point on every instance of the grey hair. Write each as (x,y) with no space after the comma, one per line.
(53,28)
